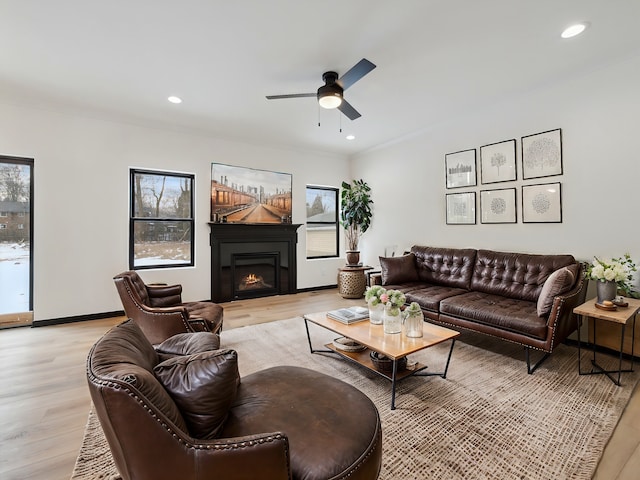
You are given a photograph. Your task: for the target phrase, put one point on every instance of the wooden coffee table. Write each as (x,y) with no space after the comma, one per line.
(395,346)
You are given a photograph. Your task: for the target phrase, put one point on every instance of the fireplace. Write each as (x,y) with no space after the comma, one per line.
(255,274)
(252,260)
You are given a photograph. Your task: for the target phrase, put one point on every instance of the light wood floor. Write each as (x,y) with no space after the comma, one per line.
(44,400)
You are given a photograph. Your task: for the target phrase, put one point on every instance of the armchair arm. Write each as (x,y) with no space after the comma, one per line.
(164,295)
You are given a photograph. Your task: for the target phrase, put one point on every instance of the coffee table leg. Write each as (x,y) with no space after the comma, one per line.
(306,325)
(393,384)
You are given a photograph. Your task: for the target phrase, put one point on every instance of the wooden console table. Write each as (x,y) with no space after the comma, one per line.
(621,316)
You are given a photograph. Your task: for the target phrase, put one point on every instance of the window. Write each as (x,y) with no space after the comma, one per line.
(161,219)
(322,222)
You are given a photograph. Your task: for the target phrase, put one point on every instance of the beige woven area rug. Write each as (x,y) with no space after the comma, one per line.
(488,419)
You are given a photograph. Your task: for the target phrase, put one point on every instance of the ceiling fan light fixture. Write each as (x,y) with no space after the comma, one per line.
(330,96)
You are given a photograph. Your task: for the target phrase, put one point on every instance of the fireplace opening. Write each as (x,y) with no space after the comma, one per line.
(255,274)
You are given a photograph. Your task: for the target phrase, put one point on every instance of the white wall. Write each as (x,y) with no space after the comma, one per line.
(598,115)
(81,201)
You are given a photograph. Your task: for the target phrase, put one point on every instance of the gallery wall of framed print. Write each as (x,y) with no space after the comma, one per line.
(498,206)
(461,208)
(542,203)
(460,168)
(498,162)
(542,154)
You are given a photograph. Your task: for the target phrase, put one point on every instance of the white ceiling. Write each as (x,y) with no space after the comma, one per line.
(436,60)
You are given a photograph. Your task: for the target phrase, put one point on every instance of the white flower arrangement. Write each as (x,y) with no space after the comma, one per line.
(619,270)
(373,294)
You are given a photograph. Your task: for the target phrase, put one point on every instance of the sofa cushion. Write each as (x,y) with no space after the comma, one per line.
(515,275)
(511,314)
(398,269)
(452,267)
(558,282)
(203,386)
(430,296)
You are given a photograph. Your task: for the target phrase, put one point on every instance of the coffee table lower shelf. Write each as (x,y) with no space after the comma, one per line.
(363,358)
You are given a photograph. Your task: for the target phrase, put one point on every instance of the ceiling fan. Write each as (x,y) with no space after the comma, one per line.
(331,94)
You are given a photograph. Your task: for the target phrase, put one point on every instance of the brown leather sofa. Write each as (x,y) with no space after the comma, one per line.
(523,298)
(160,311)
(181,411)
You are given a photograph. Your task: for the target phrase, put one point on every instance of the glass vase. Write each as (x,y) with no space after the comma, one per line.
(375,313)
(392,319)
(606,290)
(412,324)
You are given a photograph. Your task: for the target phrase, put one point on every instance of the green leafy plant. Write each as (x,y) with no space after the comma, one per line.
(355,211)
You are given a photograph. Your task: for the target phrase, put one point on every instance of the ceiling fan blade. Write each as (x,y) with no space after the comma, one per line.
(346,108)
(358,71)
(292,95)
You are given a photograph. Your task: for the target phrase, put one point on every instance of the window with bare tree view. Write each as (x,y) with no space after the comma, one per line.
(161,221)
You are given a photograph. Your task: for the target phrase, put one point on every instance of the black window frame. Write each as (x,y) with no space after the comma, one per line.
(335,222)
(133,220)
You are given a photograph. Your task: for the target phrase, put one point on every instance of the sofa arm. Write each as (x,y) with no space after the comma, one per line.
(164,295)
(375,279)
(561,318)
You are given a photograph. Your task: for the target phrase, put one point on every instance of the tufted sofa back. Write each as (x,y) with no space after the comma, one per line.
(452,267)
(515,275)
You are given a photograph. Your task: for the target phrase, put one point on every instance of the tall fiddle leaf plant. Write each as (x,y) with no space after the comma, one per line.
(355,211)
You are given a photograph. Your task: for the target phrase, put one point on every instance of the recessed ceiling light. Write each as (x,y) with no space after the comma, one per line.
(351,137)
(173,99)
(574,30)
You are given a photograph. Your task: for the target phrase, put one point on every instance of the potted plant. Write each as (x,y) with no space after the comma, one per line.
(355,215)
(612,276)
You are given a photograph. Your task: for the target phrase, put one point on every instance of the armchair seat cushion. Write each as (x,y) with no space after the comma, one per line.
(211,313)
(326,439)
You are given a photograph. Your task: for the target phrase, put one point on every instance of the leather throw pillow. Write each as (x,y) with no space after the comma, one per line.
(558,282)
(203,386)
(189,343)
(397,270)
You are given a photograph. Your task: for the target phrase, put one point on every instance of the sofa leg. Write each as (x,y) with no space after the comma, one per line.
(530,370)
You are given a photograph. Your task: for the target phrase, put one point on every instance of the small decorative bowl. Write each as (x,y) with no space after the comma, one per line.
(385,364)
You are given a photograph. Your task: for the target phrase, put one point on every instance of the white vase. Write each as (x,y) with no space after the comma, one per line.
(392,319)
(606,290)
(375,313)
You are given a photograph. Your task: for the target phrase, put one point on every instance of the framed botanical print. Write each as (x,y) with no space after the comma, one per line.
(498,162)
(498,206)
(461,208)
(542,203)
(542,154)
(460,168)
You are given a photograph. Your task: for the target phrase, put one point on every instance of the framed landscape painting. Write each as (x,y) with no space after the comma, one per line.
(461,208)
(542,154)
(249,195)
(542,203)
(498,206)
(498,162)
(460,168)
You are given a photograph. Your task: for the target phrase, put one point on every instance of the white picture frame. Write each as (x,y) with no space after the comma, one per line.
(498,206)
(460,169)
(461,208)
(542,154)
(542,203)
(498,162)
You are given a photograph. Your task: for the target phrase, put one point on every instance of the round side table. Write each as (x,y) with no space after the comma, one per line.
(352,281)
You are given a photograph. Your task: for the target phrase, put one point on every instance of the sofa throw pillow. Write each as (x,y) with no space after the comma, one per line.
(189,343)
(558,282)
(203,386)
(397,270)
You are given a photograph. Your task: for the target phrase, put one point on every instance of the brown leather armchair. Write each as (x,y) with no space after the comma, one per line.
(281,423)
(160,311)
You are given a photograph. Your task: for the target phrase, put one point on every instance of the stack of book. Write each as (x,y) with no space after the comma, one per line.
(349,315)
